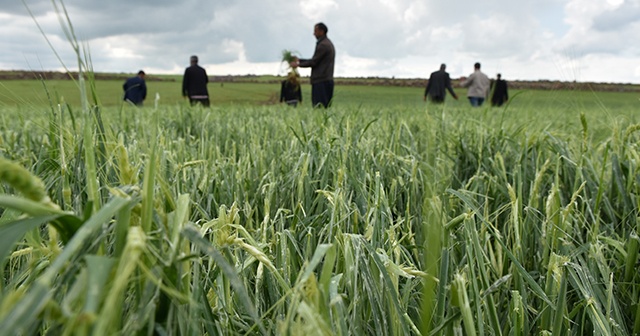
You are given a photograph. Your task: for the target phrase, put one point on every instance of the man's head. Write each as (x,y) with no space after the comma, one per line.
(141,74)
(499,76)
(193,60)
(477,66)
(320,30)
(443,66)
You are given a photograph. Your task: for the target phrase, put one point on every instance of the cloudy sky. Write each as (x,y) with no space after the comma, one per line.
(582,40)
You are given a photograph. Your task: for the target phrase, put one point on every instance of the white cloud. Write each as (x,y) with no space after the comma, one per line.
(601,28)
(358,66)
(235,48)
(528,39)
(414,13)
(317,9)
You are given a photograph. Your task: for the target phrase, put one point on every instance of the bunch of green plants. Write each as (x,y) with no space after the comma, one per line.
(289,56)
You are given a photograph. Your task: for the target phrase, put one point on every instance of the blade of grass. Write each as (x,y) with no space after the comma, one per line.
(193,234)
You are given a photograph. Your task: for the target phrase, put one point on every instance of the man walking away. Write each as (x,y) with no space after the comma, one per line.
(500,92)
(194,83)
(478,84)
(439,82)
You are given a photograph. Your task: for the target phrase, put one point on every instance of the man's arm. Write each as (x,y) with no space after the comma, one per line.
(426,91)
(467,82)
(185,81)
(450,88)
(282,88)
(320,53)
(506,91)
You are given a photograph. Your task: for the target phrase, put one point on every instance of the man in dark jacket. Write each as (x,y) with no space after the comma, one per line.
(321,65)
(135,89)
(500,92)
(194,83)
(439,81)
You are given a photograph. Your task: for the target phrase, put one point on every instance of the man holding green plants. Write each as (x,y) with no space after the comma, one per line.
(321,64)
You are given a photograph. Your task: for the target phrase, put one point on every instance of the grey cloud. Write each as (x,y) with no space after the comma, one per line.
(161,34)
(189,25)
(266,27)
(16,7)
(599,43)
(608,32)
(501,36)
(621,17)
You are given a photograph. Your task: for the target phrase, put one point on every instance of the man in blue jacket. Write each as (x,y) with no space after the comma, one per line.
(135,89)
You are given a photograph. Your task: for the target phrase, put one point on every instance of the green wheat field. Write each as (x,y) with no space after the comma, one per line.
(382,215)
(369,218)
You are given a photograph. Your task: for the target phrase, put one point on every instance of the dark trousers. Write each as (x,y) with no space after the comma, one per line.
(436,99)
(204,101)
(322,94)
(495,101)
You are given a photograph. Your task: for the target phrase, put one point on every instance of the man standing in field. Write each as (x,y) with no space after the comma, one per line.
(194,83)
(500,92)
(135,89)
(321,64)
(478,84)
(439,82)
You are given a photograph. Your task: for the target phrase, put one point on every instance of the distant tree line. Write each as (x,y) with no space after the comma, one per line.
(370,81)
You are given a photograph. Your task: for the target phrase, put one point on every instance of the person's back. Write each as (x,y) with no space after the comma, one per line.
(194,83)
(439,82)
(135,89)
(500,92)
(479,85)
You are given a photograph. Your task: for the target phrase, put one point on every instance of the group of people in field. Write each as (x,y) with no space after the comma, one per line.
(195,80)
(478,84)
(194,85)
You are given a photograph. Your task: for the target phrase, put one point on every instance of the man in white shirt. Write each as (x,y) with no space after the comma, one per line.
(479,85)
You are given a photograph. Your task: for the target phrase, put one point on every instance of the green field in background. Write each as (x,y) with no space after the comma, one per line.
(41,93)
